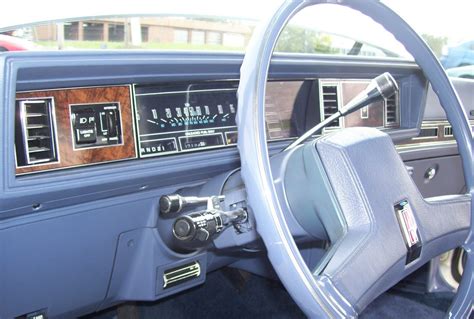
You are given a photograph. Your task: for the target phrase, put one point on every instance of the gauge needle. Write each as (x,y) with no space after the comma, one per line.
(152,122)
(163,120)
(214,117)
(226,115)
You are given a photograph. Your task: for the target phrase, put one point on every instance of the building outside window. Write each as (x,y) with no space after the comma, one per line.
(93,31)
(198,37)
(180,36)
(71,30)
(116,32)
(234,40)
(214,38)
(144,31)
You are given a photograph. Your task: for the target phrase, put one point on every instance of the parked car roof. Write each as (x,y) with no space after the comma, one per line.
(466,72)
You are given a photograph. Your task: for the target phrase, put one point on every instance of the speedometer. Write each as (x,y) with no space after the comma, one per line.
(185,117)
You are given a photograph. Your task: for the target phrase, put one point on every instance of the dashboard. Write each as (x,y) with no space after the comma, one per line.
(74,127)
(93,139)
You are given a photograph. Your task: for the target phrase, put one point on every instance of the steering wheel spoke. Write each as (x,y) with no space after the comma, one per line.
(390,229)
(446,220)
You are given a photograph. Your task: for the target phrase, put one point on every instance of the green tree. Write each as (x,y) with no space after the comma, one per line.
(300,40)
(435,43)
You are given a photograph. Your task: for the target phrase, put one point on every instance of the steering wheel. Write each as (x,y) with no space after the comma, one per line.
(379,226)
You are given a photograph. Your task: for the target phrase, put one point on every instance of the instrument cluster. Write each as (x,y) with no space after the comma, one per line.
(185,117)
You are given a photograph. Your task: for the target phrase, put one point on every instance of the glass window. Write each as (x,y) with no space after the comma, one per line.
(234,40)
(197,37)
(213,37)
(116,32)
(318,30)
(92,31)
(180,36)
(321,29)
(447,29)
(303,35)
(144,34)
(71,30)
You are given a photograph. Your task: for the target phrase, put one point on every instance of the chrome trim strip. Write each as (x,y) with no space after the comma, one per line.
(132,112)
(412,146)
(73,88)
(186,92)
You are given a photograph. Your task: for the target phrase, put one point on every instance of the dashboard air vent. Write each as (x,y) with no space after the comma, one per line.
(427,133)
(181,274)
(391,110)
(35,138)
(448,131)
(330,102)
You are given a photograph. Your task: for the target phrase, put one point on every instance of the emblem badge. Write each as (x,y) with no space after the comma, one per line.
(409,229)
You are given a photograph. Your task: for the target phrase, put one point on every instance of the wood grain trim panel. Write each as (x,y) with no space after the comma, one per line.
(375,110)
(73,158)
(440,138)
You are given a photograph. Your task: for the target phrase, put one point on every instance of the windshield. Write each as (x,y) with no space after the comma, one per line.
(147,32)
(140,32)
(323,29)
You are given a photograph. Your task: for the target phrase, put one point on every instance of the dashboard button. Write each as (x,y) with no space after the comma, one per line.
(85,127)
(111,118)
(86,136)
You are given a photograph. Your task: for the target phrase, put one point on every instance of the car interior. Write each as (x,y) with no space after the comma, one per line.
(179,184)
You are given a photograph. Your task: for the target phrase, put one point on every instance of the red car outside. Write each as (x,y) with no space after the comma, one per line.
(10,43)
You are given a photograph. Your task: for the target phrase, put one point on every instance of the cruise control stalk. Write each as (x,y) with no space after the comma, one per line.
(174,203)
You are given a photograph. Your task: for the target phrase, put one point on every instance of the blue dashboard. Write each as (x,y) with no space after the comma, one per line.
(95,228)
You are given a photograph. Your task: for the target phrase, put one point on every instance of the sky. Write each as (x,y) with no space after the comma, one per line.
(453,18)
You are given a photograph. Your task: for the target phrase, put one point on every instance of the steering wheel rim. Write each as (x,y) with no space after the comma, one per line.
(320,298)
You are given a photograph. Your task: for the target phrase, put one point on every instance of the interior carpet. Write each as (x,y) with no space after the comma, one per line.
(258,297)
